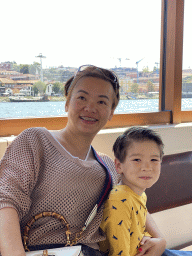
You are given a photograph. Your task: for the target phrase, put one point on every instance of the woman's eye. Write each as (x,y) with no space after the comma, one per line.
(102,102)
(81,98)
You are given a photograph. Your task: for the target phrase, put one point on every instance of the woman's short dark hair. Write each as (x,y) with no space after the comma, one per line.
(93,71)
(140,134)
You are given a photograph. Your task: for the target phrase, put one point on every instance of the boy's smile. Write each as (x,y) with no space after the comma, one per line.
(141,168)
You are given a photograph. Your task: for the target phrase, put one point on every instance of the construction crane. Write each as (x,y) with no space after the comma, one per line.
(137,63)
(41,56)
(157,70)
(119,59)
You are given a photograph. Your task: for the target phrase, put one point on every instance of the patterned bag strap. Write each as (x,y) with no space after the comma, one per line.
(108,181)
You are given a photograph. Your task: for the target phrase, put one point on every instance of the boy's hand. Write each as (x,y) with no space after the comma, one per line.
(152,246)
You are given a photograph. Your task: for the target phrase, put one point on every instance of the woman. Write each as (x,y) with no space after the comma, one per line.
(58,172)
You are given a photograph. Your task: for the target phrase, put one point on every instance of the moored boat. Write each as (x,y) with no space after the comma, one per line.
(33,99)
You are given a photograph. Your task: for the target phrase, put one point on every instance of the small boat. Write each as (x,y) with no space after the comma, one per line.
(33,99)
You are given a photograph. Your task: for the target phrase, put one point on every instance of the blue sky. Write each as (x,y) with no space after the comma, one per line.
(73,32)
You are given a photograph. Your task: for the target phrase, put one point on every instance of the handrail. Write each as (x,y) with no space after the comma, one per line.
(15,126)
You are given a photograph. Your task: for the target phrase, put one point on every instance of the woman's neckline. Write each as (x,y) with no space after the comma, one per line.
(74,157)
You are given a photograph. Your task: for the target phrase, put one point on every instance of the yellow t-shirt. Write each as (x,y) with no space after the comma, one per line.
(123,222)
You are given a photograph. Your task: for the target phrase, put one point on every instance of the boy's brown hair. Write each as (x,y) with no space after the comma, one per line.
(138,134)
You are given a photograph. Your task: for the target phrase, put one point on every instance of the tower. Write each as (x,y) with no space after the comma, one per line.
(41,56)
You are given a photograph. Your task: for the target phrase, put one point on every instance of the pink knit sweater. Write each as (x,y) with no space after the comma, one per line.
(37,174)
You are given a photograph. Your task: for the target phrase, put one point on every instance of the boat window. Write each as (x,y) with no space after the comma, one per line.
(123,36)
(187,60)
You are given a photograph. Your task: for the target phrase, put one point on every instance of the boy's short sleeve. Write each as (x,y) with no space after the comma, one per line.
(116,225)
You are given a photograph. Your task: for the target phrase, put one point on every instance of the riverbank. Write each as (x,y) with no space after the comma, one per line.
(51,98)
(62,98)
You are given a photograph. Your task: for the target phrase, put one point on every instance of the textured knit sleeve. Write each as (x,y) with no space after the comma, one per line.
(18,173)
(116,224)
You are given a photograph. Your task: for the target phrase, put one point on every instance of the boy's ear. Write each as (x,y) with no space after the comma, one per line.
(118,166)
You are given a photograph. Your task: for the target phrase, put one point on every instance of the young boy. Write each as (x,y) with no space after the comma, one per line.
(138,155)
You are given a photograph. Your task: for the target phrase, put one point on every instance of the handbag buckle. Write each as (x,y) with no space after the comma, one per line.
(45,253)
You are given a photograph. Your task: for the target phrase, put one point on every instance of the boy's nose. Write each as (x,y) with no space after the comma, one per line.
(146,166)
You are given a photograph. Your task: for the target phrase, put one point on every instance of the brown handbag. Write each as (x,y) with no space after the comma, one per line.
(76,250)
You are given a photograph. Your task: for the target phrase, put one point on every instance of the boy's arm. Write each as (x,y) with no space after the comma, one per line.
(156,245)
(151,227)
(115,225)
(10,235)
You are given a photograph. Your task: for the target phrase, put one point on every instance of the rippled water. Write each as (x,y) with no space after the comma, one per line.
(44,109)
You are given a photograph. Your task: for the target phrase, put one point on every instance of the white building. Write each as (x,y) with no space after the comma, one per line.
(9,91)
(27,91)
(49,90)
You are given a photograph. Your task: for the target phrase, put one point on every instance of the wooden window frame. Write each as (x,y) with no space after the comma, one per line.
(170,83)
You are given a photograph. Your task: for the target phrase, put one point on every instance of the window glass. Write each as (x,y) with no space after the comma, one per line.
(186,103)
(44,42)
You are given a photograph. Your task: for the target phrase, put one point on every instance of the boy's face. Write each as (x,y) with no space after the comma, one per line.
(141,168)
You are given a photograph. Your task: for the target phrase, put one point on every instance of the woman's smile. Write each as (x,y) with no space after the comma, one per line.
(88,119)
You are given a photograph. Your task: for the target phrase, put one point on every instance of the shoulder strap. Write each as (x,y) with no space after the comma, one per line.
(108,181)
(105,191)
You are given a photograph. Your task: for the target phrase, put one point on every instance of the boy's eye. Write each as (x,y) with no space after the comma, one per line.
(154,160)
(137,160)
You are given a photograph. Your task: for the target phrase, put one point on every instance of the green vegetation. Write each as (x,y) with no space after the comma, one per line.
(26,68)
(39,87)
(150,87)
(58,88)
(57,74)
(4,99)
(187,79)
(134,88)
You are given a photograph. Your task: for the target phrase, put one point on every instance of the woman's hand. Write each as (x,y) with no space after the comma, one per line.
(152,246)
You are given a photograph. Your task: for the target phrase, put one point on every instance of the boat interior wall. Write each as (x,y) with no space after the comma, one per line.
(170,199)
(177,138)
(174,185)
(4,143)
(176,226)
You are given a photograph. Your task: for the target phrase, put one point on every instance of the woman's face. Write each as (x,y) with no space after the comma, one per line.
(90,105)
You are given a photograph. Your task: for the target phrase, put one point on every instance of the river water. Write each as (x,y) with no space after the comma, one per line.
(45,109)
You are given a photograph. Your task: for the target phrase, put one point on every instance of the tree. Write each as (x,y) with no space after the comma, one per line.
(24,68)
(134,88)
(35,89)
(154,69)
(150,87)
(15,67)
(63,89)
(146,71)
(57,87)
(39,87)
(36,66)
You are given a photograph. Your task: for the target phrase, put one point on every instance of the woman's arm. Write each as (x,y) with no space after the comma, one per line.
(10,235)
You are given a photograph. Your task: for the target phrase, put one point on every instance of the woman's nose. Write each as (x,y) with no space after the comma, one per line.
(90,107)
